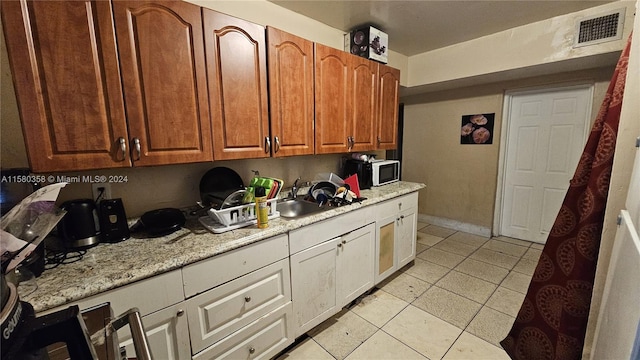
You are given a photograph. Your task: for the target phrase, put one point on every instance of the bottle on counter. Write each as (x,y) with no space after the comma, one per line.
(262,208)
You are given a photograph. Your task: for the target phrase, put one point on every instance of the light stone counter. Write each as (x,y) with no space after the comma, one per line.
(108,266)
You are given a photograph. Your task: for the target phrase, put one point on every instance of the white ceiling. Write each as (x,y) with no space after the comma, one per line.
(422,25)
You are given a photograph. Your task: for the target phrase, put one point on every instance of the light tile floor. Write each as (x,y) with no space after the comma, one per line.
(456,301)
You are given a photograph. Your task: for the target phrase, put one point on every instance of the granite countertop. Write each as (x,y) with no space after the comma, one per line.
(108,266)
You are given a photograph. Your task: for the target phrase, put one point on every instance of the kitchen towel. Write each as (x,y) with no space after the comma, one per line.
(552,321)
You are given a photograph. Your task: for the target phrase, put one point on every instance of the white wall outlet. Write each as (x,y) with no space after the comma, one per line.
(96,187)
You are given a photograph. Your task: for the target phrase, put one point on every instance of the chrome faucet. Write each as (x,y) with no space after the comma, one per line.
(294,189)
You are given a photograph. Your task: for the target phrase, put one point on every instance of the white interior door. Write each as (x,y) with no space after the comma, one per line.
(546,133)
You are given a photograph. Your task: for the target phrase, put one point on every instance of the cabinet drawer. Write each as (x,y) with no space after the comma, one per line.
(395,206)
(147,295)
(219,312)
(262,339)
(210,273)
(311,235)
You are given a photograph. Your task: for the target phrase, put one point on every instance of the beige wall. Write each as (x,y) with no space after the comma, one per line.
(151,188)
(461,179)
(532,45)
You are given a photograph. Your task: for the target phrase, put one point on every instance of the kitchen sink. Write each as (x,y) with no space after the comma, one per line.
(297,208)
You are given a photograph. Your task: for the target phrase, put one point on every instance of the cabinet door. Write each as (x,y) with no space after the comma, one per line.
(406,233)
(386,258)
(388,102)
(164,76)
(65,72)
(332,101)
(355,264)
(364,74)
(167,331)
(290,93)
(313,285)
(236,67)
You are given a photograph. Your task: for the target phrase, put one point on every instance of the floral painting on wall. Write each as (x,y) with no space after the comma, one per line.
(477,129)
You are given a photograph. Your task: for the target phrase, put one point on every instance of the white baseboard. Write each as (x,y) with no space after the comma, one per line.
(455,225)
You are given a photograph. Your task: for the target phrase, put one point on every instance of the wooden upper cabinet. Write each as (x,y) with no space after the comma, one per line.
(65,72)
(290,93)
(332,100)
(237,73)
(389,80)
(364,110)
(163,71)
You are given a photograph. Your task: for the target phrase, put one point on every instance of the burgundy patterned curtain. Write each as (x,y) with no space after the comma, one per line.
(553,318)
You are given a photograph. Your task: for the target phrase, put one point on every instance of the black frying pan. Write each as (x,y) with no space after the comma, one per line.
(160,222)
(218,183)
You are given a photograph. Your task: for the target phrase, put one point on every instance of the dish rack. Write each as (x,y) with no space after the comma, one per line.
(232,218)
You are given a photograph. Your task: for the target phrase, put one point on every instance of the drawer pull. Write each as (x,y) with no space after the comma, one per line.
(344,241)
(180,313)
(252,350)
(247,298)
(339,245)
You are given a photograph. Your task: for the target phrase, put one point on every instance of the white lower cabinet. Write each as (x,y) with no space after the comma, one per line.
(355,264)
(396,231)
(327,276)
(221,311)
(167,332)
(262,339)
(407,235)
(239,303)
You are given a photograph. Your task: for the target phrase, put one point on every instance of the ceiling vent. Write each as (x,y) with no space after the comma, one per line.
(600,28)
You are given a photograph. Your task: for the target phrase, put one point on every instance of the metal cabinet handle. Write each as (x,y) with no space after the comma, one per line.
(252,350)
(267,145)
(379,140)
(349,142)
(180,313)
(247,298)
(277,144)
(339,245)
(136,147)
(123,148)
(344,241)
